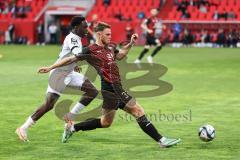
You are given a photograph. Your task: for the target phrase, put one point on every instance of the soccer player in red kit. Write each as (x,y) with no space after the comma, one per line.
(102,56)
(150,25)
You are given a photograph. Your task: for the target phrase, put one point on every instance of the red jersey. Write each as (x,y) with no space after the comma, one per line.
(103,59)
(151,23)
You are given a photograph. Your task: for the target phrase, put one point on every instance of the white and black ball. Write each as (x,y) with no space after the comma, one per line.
(206,133)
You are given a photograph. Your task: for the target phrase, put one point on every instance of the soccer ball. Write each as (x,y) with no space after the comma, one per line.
(206,133)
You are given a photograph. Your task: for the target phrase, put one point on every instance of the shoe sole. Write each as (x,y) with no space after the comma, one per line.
(174,144)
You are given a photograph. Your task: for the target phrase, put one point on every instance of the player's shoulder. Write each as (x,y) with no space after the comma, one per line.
(72,37)
(94,47)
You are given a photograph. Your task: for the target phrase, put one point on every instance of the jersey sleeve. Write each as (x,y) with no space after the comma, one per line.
(75,45)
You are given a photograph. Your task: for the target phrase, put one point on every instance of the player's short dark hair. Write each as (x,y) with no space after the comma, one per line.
(77,20)
(101,26)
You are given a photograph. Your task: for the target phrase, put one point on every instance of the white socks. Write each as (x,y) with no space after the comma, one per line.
(72,129)
(77,108)
(29,122)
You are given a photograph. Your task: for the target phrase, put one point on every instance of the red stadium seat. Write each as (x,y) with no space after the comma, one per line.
(202,16)
(171,15)
(36,6)
(133,7)
(194,15)
(238,16)
(209,16)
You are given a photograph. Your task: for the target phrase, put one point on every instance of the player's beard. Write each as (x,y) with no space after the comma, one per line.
(81,32)
(105,42)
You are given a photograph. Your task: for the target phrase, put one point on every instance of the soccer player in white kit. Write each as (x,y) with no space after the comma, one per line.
(63,77)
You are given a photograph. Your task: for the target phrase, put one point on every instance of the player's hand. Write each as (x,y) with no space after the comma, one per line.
(150,31)
(44,70)
(134,38)
(78,69)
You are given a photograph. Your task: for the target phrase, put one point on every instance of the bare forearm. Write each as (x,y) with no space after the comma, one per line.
(128,46)
(124,51)
(60,63)
(63,62)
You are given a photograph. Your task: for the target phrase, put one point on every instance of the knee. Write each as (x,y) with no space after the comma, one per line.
(106,123)
(137,111)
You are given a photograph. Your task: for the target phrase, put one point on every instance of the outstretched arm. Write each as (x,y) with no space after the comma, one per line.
(66,61)
(125,49)
(63,62)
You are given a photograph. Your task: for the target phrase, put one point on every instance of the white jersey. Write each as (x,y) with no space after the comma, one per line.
(72,45)
(62,77)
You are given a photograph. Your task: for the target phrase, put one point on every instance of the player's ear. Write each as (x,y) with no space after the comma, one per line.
(99,34)
(75,28)
(84,24)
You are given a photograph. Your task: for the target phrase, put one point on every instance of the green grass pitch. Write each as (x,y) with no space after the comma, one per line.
(206,82)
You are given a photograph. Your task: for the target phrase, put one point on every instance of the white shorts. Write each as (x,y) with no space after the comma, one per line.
(59,80)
